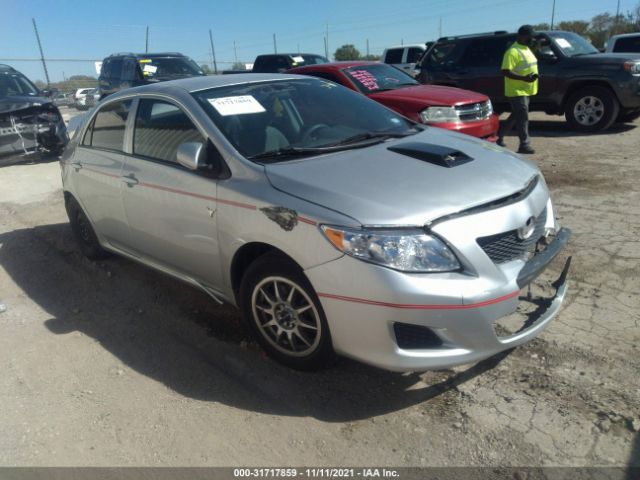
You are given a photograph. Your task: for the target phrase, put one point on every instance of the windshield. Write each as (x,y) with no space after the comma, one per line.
(291,115)
(159,67)
(571,44)
(378,77)
(15,85)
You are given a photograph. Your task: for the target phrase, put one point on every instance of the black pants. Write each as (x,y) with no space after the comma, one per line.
(519,118)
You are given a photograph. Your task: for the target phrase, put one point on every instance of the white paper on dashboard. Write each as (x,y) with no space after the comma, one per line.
(236,105)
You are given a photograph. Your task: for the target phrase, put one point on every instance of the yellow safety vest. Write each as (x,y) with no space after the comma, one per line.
(520,60)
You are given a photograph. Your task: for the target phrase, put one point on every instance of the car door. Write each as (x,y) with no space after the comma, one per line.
(97,165)
(549,69)
(479,67)
(170,209)
(411,57)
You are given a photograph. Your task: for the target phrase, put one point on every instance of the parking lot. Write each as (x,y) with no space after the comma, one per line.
(109,363)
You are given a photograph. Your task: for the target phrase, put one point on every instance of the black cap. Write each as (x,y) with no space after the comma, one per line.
(526,30)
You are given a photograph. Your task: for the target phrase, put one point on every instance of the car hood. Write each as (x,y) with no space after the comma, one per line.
(376,186)
(428,95)
(12,104)
(607,58)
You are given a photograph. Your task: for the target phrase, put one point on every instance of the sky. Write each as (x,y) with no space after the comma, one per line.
(85,31)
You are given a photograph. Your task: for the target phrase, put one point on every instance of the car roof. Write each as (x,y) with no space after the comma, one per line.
(623,35)
(195,84)
(7,68)
(147,55)
(408,45)
(333,66)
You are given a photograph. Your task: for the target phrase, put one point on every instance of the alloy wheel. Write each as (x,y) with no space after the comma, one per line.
(588,110)
(286,316)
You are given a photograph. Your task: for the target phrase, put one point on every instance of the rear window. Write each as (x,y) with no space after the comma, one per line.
(394,55)
(627,44)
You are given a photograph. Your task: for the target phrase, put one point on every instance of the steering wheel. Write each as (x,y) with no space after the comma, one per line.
(308,135)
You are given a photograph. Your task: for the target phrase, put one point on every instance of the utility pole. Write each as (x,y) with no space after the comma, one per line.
(553,13)
(44,64)
(326,48)
(298,48)
(367,47)
(235,51)
(213,53)
(440,28)
(326,39)
(275,45)
(617,13)
(146,41)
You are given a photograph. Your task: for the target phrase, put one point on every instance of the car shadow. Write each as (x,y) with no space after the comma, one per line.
(177,335)
(560,128)
(31,159)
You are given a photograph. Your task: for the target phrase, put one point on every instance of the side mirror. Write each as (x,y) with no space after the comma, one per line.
(46,92)
(192,155)
(547,56)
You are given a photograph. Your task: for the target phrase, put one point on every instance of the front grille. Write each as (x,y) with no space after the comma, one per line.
(475,111)
(505,247)
(415,337)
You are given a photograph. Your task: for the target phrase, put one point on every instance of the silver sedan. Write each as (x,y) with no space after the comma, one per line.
(333,223)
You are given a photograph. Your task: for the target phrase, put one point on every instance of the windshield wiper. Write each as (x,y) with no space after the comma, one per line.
(381,136)
(287,152)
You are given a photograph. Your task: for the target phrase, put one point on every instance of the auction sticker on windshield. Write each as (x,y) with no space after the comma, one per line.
(563,43)
(236,105)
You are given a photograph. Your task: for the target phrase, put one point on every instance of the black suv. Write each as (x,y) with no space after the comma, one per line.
(591,89)
(124,70)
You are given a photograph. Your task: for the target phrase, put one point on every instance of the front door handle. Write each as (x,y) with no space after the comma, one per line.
(130,180)
(76,165)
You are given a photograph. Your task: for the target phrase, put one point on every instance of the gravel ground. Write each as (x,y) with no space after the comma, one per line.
(110,363)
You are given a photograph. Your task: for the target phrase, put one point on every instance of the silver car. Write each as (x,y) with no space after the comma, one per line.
(333,223)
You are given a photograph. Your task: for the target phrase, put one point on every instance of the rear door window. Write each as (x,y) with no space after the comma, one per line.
(486,52)
(160,128)
(413,55)
(107,130)
(394,55)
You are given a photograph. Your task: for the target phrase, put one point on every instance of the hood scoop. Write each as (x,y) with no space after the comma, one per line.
(436,154)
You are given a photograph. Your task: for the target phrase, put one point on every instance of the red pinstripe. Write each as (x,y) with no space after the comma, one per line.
(421,307)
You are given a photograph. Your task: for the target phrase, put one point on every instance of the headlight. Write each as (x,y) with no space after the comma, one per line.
(408,251)
(439,115)
(632,67)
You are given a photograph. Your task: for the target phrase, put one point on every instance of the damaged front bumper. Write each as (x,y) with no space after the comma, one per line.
(31,131)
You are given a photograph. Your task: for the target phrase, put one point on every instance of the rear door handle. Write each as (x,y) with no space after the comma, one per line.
(130,180)
(76,165)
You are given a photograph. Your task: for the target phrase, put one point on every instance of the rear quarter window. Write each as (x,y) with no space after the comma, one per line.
(394,55)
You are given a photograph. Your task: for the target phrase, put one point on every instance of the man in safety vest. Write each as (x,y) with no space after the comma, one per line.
(520,70)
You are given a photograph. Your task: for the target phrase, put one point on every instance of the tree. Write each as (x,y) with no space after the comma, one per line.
(347,52)
(40,84)
(372,58)
(238,66)
(205,68)
(578,26)
(541,26)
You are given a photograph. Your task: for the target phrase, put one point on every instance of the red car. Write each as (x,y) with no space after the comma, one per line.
(445,107)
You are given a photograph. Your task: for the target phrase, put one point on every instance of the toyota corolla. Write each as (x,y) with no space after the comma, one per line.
(334,224)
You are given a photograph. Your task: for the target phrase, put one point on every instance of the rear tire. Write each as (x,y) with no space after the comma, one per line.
(284,314)
(592,109)
(83,232)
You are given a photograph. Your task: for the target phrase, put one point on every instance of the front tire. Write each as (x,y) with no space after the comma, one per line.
(284,314)
(83,232)
(592,109)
